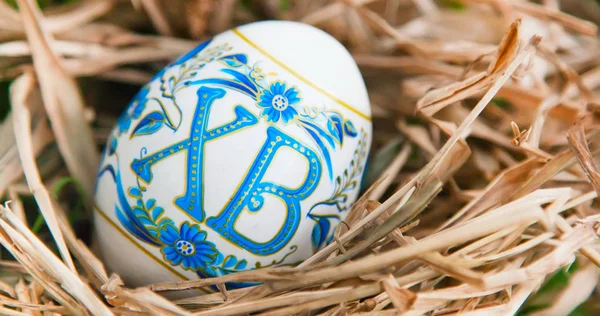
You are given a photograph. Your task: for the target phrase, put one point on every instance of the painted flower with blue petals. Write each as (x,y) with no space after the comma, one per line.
(134,110)
(278,103)
(187,247)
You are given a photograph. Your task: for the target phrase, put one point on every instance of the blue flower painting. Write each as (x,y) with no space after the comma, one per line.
(187,247)
(292,122)
(278,103)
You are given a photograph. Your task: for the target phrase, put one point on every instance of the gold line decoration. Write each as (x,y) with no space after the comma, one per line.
(145,251)
(306,81)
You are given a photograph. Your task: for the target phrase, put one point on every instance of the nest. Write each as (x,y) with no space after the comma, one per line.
(480,196)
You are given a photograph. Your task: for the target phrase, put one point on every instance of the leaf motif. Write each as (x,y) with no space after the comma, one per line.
(132,227)
(351,185)
(236,60)
(188,76)
(342,198)
(167,86)
(218,261)
(316,236)
(138,212)
(241,265)
(171,111)
(349,129)
(150,204)
(157,212)
(243,78)
(320,232)
(150,124)
(322,148)
(334,125)
(229,262)
(146,221)
(317,130)
(112,147)
(135,192)
(153,231)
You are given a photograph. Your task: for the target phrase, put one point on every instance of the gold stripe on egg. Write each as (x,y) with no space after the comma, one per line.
(306,81)
(144,250)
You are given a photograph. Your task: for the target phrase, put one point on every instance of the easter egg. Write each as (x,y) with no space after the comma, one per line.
(244,153)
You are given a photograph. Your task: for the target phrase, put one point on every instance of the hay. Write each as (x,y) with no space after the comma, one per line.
(481,186)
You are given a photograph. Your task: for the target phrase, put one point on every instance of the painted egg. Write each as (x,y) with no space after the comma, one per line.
(244,153)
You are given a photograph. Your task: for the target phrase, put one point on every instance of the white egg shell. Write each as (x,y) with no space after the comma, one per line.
(244,153)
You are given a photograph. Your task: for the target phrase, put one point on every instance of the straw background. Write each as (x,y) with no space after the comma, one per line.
(480,197)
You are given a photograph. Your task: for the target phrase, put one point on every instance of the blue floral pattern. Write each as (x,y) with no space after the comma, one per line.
(344,184)
(278,102)
(187,246)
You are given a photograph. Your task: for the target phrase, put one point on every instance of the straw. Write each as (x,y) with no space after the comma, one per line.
(480,197)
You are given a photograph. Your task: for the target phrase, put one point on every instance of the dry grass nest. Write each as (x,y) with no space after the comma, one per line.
(481,193)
